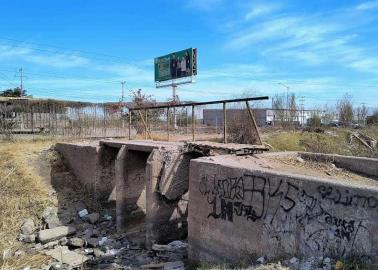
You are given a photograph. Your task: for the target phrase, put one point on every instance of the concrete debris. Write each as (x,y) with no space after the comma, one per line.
(92,242)
(177,244)
(301,160)
(261,260)
(98,253)
(48,235)
(19,253)
(76,242)
(294,260)
(55,266)
(93,218)
(63,241)
(27,238)
(66,256)
(102,241)
(50,245)
(28,227)
(83,213)
(157,247)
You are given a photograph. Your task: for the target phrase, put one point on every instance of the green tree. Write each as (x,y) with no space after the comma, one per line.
(15,92)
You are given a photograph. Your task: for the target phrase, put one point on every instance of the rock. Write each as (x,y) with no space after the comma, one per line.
(327,260)
(79,206)
(83,213)
(76,242)
(63,241)
(92,242)
(65,256)
(53,222)
(102,241)
(98,253)
(178,246)
(89,251)
(28,227)
(51,244)
(294,260)
(153,266)
(158,247)
(55,266)
(93,218)
(301,160)
(50,217)
(174,265)
(38,247)
(48,235)
(261,260)
(27,238)
(7,254)
(19,253)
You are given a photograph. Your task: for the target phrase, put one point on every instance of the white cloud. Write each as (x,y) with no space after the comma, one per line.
(259,10)
(53,59)
(368,5)
(312,39)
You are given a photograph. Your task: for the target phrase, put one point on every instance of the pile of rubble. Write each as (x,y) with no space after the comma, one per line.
(90,241)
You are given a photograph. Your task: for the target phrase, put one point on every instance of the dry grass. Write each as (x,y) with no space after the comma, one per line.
(23,194)
(333,141)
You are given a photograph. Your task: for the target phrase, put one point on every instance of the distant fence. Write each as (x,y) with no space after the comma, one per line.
(33,118)
(25,117)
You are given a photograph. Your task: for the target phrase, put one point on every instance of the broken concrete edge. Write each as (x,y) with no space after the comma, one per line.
(293,176)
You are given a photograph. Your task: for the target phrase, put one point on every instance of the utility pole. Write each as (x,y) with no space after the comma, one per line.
(302,100)
(174,100)
(20,71)
(287,99)
(122,91)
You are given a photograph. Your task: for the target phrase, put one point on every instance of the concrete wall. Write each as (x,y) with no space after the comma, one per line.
(362,165)
(236,213)
(93,166)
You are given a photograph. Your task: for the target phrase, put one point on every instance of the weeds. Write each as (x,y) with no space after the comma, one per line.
(23,194)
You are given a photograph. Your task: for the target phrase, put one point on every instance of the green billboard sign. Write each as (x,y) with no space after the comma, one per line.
(176,65)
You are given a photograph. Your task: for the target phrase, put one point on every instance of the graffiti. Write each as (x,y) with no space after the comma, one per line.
(247,196)
(346,198)
(287,211)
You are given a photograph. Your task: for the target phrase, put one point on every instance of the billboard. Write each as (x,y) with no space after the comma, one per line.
(176,65)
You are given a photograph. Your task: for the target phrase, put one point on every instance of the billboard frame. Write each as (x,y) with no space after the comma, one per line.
(183,80)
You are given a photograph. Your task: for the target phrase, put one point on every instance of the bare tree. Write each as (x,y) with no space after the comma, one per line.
(329,114)
(140,99)
(361,113)
(345,108)
(6,121)
(291,109)
(279,108)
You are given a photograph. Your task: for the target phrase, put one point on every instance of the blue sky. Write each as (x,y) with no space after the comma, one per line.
(82,50)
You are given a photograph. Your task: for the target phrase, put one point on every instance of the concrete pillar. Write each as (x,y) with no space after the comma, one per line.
(120,174)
